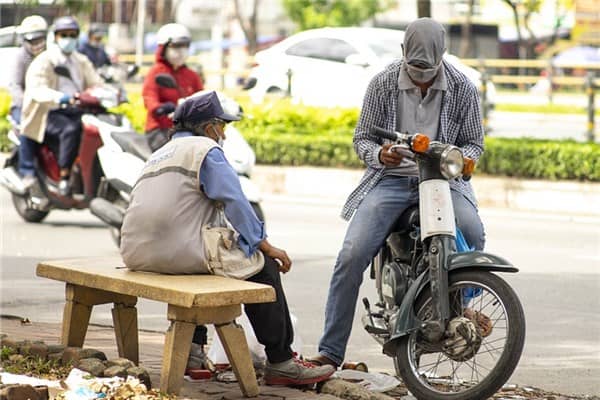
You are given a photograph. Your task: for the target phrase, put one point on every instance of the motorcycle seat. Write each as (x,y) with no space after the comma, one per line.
(133,143)
(408,219)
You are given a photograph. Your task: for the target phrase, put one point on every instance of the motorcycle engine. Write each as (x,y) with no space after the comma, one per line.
(394,282)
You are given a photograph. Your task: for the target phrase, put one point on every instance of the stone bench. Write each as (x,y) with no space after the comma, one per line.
(191,299)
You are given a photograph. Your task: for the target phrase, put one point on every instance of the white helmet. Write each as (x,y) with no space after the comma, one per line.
(33,27)
(173,33)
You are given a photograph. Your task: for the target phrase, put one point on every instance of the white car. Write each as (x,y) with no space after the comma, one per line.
(332,66)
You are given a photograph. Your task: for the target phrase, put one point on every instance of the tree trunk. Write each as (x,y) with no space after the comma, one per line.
(532,41)
(249,26)
(424,8)
(465,34)
(513,6)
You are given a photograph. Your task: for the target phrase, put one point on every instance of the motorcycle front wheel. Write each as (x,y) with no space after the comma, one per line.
(460,370)
(29,214)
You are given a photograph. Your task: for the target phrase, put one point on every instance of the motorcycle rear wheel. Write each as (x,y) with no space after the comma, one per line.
(434,375)
(29,214)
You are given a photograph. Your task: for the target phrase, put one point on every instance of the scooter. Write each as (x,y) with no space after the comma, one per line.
(454,328)
(87,174)
(124,153)
(237,151)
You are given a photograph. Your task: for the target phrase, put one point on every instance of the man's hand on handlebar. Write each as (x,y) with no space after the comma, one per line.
(389,158)
(165,108)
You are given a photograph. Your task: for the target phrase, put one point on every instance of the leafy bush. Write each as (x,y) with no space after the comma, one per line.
(134,111)
(543,159)
(282,133)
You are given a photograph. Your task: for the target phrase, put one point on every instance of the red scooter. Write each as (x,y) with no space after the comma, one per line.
(86,178)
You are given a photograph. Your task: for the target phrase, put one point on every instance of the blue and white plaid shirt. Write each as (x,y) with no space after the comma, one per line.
(460,124)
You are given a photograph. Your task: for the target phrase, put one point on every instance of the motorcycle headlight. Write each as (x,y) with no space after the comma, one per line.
(451,162)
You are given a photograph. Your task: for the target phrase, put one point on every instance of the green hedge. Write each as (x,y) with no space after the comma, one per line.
(286,134)
(282,133)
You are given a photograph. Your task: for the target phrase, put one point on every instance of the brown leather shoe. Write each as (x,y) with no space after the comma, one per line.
(320,360)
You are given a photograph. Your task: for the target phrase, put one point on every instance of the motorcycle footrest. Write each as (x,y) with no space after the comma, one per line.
(373,330)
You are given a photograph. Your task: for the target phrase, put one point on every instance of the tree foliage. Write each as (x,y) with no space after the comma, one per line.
(310,14)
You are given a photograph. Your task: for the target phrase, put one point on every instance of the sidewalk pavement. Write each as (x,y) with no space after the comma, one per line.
(334,185)
(151,348)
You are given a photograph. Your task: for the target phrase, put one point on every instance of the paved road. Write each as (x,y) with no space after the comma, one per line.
(543,126)
(559,281)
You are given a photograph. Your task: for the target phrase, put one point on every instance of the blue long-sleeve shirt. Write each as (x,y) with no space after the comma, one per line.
(219,182)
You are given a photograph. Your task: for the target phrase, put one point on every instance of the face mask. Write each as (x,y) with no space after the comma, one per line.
(95,43)
(67,45)
(176,57)
(35,49)
(219,139)
(422,75)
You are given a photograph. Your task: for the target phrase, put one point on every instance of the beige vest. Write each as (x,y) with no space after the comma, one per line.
(171,227)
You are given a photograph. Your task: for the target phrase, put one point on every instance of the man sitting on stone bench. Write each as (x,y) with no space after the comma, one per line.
(188,215)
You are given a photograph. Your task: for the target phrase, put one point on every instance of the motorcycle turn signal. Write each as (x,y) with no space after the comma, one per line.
(420,143)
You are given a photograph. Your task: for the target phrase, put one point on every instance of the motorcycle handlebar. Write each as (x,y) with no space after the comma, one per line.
(418,142)
(385,134)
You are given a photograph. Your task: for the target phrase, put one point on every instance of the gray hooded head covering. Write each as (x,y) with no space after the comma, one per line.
(424,43)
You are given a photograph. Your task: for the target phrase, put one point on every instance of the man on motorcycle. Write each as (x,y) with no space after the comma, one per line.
(173,48)
(425,94)
(185,188)
(45,92)
(94,48)
(33,31)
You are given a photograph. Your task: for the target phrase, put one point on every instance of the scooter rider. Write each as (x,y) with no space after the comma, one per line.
(93,48)
(45,91)
(174,225)
(425,94)
(33,31)
(173,49)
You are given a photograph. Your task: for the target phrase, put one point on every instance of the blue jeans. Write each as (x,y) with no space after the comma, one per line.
(27,151)
(366,233)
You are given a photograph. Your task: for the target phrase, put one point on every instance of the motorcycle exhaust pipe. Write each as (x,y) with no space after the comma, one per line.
(107,212)
(10,179)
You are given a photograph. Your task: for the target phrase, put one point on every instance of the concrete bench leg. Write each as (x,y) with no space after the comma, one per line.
(178,342)
(236,347)
(126,331)
(179,339)
(76,317)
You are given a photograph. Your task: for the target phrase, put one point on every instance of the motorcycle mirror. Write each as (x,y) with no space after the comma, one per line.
(249,84)
(62,70)
(132,70)
(165,80)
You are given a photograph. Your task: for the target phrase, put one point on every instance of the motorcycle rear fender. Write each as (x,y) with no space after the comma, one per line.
(120,165)
(405,321)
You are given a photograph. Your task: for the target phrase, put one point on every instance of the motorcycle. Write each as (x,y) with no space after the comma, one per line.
(237,151)
(124,153)
(87,176)
(454,329)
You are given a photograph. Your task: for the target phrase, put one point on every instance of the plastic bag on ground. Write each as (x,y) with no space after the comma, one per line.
(372,381)
(217,355)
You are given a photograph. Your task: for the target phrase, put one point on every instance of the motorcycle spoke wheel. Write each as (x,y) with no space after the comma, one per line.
(459,369)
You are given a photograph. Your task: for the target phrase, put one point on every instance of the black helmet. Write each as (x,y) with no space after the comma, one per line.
(66,24)
(97,29)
